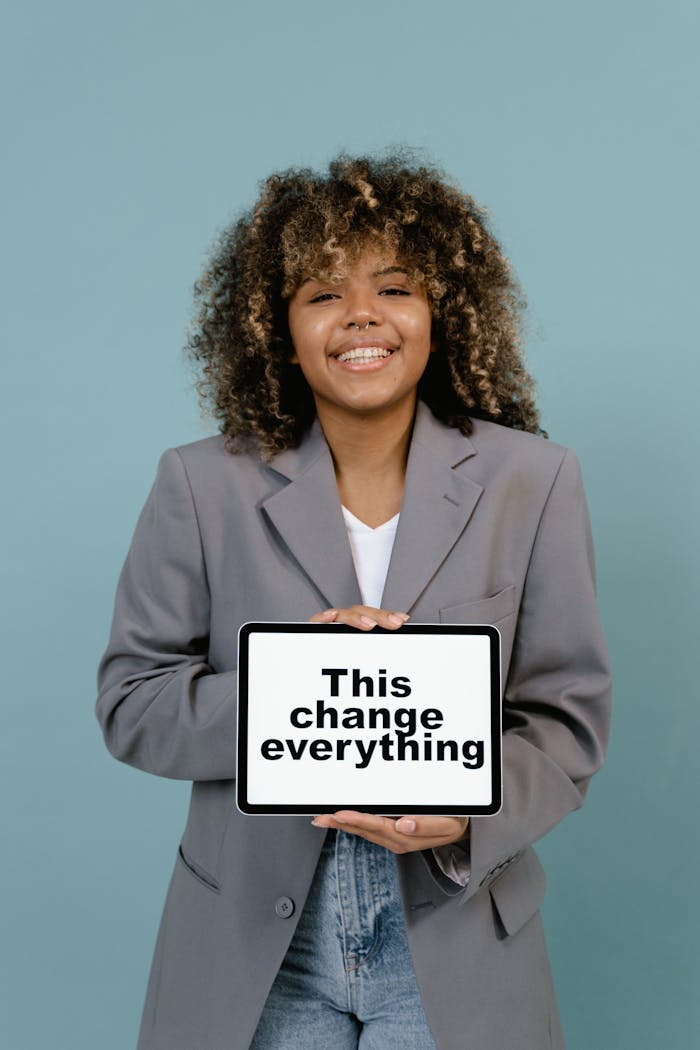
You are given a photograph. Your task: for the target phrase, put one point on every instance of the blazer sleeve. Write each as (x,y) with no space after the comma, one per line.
(556,705)
(162,708)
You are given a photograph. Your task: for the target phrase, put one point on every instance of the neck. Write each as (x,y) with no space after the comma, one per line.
(370,455)
(369,448)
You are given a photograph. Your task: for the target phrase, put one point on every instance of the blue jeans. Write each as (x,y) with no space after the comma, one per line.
(347,981)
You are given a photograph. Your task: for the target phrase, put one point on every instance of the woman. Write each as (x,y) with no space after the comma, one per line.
(380,457)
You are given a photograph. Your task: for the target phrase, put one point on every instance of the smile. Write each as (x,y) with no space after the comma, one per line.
(364,353)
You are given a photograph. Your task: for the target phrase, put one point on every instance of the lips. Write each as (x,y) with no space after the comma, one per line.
(368,345)
(364,353)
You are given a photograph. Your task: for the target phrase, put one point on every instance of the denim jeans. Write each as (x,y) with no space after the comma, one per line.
(347,981)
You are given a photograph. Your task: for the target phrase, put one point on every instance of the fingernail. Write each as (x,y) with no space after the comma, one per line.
(366,620)
(340,820)
(395,618)
(406,825)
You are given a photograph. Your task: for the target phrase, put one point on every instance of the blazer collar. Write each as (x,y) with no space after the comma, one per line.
(438,502)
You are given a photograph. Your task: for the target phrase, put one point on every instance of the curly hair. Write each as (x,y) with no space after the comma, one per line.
(309,223)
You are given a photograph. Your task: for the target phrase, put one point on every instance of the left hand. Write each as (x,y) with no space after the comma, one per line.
(402,835)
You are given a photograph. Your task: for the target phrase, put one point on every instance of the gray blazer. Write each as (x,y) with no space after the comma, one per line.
(493,529)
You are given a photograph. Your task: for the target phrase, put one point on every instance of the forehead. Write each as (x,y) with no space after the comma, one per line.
(334,260)
(369,264)
(368,261)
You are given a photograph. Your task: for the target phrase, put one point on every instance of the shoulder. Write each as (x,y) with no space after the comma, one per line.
(205,470)
(500,448)
(490,447)
(205,450)
(487,437)
(208,473)
(210,457)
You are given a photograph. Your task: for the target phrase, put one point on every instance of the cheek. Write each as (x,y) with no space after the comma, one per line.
(420,324)
(308,338)
(422,339)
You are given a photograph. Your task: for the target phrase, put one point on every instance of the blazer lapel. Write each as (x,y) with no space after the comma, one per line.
(308,517)
(438,502)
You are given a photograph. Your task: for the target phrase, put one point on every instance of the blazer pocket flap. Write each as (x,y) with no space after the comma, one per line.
(482,610)
(518,893)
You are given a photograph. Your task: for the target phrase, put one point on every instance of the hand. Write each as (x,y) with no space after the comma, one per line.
(402,835)
(364,617)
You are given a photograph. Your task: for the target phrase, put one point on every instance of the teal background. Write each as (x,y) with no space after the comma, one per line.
(133,131)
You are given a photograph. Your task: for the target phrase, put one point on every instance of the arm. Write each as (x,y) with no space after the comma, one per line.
(556,707)
(160,705)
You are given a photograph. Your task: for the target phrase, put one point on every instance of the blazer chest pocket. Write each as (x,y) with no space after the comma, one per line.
(482,610)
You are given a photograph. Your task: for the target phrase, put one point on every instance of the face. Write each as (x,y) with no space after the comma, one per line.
(362,344)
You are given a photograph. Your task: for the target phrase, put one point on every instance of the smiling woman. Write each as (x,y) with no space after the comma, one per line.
(358,333)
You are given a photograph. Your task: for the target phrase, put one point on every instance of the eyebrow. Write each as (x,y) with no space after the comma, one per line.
(377,273)
(389,269)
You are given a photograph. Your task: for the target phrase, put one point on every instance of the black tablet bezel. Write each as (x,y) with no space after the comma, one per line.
(281,809)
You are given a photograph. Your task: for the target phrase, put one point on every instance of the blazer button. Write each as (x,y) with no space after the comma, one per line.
(284,907)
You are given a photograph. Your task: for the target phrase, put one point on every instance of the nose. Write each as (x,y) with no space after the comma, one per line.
(363,309)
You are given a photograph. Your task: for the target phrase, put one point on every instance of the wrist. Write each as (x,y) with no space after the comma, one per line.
(463,840)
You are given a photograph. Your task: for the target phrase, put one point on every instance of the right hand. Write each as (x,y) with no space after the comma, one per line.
(364,617)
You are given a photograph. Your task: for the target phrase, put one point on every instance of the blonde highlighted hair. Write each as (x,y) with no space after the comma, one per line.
(309,223)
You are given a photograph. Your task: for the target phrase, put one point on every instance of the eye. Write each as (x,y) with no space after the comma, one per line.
(394,291)
(322,297)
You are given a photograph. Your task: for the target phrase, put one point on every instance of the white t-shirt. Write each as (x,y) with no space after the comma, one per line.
(371,553)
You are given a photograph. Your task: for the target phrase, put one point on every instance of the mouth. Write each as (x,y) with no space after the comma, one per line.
(363,353)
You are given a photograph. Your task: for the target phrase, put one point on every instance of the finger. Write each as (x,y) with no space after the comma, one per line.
(366,617)
(323,820)
(356,618)
(354,821)
(327,616)
(363,617)
(451,829)
(389,618)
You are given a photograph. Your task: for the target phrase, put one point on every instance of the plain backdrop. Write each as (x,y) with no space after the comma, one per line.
(131,133)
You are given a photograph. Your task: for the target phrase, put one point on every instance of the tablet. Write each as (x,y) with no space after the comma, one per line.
(390,722)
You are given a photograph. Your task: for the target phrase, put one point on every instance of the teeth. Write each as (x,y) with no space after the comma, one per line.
(363,353)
